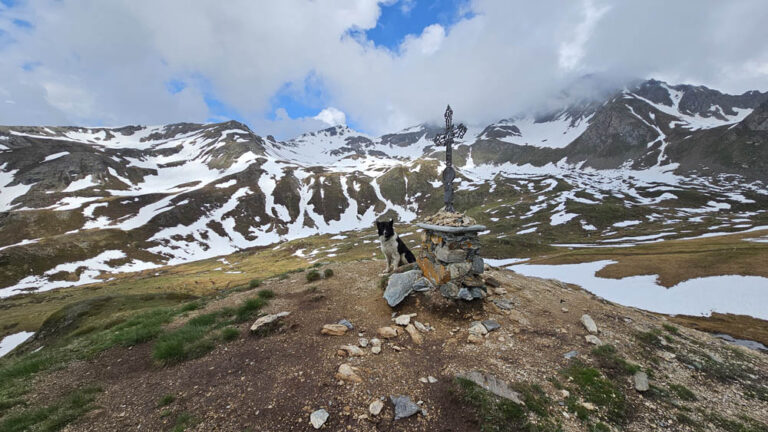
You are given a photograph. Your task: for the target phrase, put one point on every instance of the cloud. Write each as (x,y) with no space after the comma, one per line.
(110,63)
(331,116)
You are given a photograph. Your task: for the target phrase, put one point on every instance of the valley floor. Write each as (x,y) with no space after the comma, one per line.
(274,382)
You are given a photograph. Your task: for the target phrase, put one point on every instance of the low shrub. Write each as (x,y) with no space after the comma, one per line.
(313,276)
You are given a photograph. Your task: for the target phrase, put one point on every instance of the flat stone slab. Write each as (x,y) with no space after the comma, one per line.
(400,285)
(452,229)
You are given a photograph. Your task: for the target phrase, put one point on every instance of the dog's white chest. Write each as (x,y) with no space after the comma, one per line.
(388,246)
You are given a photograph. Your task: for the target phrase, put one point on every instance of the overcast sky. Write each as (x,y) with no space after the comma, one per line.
(288,66)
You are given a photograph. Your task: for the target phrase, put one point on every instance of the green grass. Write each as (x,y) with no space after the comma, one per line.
(499,414)
(328,273)
(266,294)
(183,421)
(191,306)
(229,333)
(729,425)
(594,388)
(248,309)
(166,400)
(650,338)
(313,276)
(611,362)
(671,329)
(383,281)
(683,393)
(54,416)
(254,283)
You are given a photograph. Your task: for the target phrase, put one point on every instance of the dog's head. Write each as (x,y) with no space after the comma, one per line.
(386,228)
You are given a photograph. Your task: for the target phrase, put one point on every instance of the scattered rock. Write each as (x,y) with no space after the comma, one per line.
(594,340)
(564,393)
(589,406)
(477,293)
(267,322)
(348,373)
(347,324)
(318,418)
(641,381)
(376,350)
(375,407)
(352,351)
(499,291)
(403,320)
(334,329)
(404,407)
(376,342)
(431,379)
(387,332)
(666,355)
(363,342)
(519,317)
(423,380)
(422,284)
(571,354)
(415,335)
(475,339)
(503,303)
(493,282)
(473,281)
(400,285)
(493,385)
(420,327)
(589,323)
(478,329)
(564,310)
(491,325)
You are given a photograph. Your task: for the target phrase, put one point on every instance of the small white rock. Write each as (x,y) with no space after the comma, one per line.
(375,407)
(431,379)
(363,342)
(376,342)
(376,349)
(318,418)
(589,323)
(594,340)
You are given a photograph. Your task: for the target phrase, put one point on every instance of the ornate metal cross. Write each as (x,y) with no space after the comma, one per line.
(446,139)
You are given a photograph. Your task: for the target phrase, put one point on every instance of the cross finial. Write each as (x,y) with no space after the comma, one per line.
(446,139)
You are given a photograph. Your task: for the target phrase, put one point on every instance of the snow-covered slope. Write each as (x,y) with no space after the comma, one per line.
(78,204)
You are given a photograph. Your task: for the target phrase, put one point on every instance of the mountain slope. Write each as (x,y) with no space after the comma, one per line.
(81,204)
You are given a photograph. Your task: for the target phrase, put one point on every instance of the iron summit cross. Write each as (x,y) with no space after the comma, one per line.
(446,139)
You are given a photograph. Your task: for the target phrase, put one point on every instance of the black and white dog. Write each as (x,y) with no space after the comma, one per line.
(396,252)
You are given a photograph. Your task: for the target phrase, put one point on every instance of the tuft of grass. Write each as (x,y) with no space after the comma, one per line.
(599,427)
(328,273)
(313,276)
(729,425)
(182,344)
(316,265)
(671,329)
(248,309)
(142,327)
(499,414)
(52,417)
(756,391)
(230,333)
(183,421)
(254,283)
(383,281)
(610,360)
(188,307)
(266,294)
(650,338)
(683,393)
(166,400)
(598,390)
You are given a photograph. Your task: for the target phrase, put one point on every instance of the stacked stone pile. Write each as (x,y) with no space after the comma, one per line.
(450,259)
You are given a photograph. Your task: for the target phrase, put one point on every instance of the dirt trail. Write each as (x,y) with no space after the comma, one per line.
(273,383)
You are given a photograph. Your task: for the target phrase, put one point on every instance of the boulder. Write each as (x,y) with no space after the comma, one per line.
(478,329)
(477,293)
(503,303)
(473,281)
(450,290)
(589,323)
(404,320)
(465,294)
(492,282)
(334,329)
(404,406)
(267,322)
(400,285)
(352,350)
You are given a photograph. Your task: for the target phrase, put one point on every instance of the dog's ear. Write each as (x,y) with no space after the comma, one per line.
(392,222)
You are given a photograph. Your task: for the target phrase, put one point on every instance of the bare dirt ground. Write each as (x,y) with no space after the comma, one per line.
(273,383)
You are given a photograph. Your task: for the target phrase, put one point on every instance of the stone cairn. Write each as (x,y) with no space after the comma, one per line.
(450,257)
